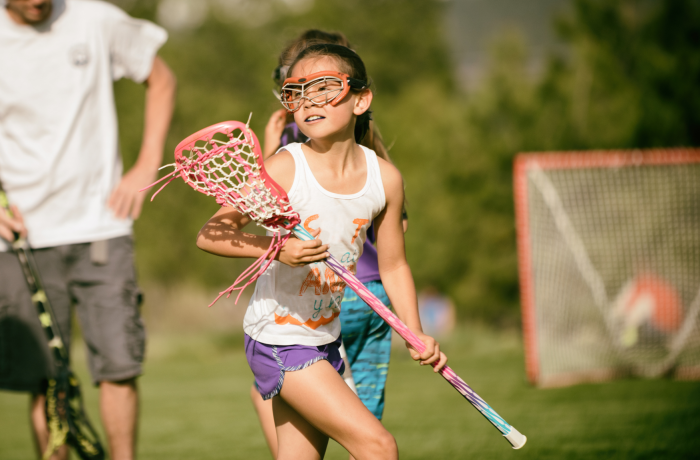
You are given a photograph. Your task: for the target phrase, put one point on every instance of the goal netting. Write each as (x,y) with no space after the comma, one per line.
(609,261)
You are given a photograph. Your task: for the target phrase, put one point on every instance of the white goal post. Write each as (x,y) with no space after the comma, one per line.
(609,264)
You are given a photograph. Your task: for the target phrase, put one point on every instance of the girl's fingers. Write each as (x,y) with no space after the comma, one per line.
(431,353)
(430,346)
(310,259)
(311,244)
(316,254)
(304,252)
(441,363)
(432,356)
(414,353)
(314,246)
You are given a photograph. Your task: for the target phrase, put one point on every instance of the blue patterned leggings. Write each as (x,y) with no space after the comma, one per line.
(367,340)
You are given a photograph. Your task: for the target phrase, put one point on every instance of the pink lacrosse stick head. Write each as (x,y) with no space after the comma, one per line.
(225,161)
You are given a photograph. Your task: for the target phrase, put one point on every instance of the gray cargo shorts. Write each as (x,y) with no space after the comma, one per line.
(106,298)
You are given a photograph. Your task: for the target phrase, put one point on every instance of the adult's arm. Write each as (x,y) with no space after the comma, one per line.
(126,200)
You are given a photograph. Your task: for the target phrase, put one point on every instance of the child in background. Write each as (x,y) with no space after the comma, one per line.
(338,188)
(366,336)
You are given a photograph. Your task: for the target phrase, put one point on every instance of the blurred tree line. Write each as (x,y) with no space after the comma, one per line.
(628,78)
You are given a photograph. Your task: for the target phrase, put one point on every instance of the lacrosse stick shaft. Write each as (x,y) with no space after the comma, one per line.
(58,432)
(255,193)
(21,248)
(513,436)
(347,375)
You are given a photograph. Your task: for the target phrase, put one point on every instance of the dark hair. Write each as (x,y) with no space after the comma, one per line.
(307,38)
(372,139)
(349,63)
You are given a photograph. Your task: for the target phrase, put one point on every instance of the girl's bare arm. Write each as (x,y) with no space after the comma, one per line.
(393,267)
(223,233)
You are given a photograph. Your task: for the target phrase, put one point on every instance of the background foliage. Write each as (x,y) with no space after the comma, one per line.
(628,78)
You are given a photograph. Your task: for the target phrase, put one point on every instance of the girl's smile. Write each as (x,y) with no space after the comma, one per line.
(326,121)
(314,118)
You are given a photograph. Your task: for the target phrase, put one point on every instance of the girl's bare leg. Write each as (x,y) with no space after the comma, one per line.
(267,421)
(297,438)
(315,404)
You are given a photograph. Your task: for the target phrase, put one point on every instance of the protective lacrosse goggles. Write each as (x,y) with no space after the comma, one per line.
(319,88)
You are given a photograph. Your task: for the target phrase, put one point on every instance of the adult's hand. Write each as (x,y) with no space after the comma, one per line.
(9,225)
(126,200)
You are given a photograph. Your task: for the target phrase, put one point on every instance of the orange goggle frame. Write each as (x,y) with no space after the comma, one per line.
(295,90)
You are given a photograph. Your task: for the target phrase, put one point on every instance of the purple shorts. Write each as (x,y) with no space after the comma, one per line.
(270,362)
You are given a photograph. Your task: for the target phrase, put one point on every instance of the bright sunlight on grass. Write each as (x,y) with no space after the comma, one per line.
(195,406)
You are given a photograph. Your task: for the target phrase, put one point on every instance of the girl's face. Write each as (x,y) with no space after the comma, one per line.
(328,121)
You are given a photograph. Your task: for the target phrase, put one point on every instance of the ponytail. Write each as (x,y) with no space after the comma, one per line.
(372,139)
(362,126)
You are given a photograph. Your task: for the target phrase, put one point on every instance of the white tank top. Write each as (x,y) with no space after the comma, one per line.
(301,305)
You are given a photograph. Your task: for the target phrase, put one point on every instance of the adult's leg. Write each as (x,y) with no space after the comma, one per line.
(40,430)
(267,420)
(319,396)
(107,304)
(30,359)
(119,407)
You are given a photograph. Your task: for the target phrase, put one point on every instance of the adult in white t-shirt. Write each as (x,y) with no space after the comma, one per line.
(61,169)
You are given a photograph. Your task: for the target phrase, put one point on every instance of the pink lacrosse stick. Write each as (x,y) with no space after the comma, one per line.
(230,168)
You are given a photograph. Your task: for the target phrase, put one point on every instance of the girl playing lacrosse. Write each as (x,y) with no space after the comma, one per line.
(366,336)
(338,188)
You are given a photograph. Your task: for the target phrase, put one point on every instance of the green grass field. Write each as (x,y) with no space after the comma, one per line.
(195,406)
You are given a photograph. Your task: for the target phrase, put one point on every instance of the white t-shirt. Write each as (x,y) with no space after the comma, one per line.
(59,153)
(300,306)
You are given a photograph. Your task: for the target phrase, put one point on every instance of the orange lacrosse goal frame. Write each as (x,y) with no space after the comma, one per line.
(541,164)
